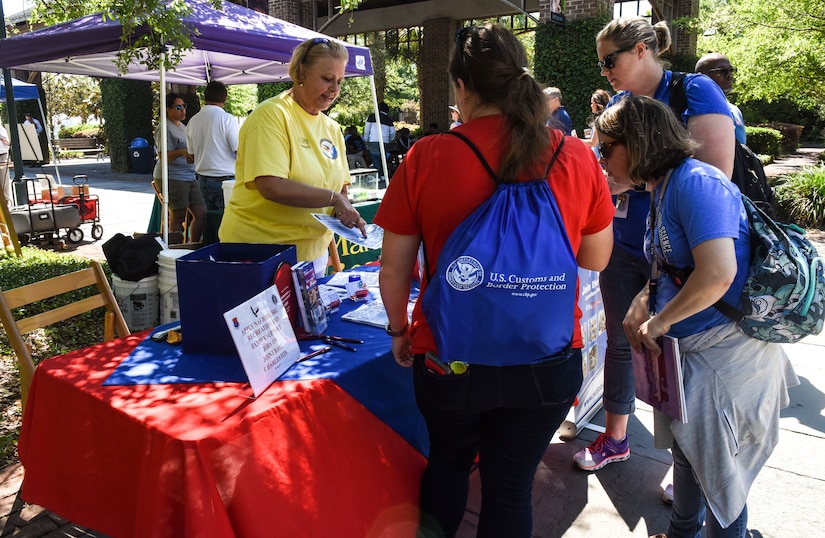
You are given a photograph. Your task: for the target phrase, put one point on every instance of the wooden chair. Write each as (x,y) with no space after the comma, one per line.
(165,223)
(45,289)
(334,261)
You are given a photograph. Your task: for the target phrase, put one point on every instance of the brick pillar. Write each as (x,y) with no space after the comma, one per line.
(433,80)
(293,11)
(684,42)
(574,9)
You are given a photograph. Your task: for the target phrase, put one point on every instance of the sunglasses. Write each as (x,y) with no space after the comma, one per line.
(724,71)
(180,107)
(316,41)
(609,61)
(606,148)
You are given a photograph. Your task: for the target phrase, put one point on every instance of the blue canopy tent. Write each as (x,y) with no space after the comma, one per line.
(234,45)
(23,91)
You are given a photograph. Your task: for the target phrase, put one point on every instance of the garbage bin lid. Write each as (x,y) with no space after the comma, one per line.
(139,143)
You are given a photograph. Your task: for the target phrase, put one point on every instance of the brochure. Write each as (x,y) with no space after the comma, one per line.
(375,233)
(659,380)
(373,313)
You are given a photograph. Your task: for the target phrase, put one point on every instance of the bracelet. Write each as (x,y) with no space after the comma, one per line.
(402,332)
(331,197)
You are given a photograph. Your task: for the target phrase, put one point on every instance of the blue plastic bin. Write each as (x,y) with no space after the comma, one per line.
(217,278)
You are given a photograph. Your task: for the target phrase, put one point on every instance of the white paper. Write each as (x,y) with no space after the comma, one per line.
(375,233)
(340,279)
(263,337)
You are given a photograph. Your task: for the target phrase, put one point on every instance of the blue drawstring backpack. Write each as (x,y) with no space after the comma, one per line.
(505,285)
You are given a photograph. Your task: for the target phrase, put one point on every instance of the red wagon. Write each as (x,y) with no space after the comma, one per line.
(89,206)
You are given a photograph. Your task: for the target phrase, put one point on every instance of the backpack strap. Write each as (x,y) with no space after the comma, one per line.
(678,97)
(678,276)
(495,177)
(487,166)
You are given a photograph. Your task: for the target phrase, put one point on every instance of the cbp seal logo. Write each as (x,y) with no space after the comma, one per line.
(465,273)
(329,149)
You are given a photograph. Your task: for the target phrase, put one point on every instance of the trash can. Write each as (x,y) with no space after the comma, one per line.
(142,155)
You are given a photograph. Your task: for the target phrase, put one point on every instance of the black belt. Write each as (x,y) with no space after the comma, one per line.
(218,178)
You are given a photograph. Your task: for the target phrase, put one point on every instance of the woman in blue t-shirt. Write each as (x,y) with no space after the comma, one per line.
(734,385)
(629,50)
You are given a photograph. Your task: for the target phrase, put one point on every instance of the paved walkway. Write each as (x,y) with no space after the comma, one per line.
(622,499)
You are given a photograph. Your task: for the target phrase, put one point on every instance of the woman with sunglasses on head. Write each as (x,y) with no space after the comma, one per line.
(292,161)
(734,385)
(184,193)
(629,50)
(503,410)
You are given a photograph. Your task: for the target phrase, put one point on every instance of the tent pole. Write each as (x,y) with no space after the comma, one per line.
(49,141)
(164,168)
(380,131)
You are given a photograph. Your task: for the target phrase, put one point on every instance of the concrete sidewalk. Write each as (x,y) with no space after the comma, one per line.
(623,499)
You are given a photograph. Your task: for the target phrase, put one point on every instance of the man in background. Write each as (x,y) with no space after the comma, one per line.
(559,118)
(212,136)
(382,128)
(718,67)
(4,163)
(34,121)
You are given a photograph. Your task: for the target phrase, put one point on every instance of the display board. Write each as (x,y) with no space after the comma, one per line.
(594,338)
(30,149)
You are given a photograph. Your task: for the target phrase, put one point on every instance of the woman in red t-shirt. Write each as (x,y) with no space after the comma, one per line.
(506,415)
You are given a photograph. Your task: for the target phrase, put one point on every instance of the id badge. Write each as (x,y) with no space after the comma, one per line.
(622,202)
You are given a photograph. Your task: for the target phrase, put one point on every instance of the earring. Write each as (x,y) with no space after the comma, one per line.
(301,84)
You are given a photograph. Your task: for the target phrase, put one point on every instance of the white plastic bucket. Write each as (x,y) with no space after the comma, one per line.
(168,284)
(138,301)
(227,186)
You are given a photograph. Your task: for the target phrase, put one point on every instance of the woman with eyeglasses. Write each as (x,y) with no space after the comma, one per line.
(292,161)
(184,193)
(629,50)
(506,408)
(734,385)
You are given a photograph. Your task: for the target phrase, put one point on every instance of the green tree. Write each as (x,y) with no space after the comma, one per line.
(778,46)
(163,18)
(72,95)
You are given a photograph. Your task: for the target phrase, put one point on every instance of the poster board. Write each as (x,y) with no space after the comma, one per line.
(30,149)
(594,339)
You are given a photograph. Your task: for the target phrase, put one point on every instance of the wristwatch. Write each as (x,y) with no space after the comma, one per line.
(402,332)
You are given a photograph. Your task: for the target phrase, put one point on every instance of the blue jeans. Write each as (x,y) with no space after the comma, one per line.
(623,278)
(689,506)
(505,415)
(212,190)
(375,153)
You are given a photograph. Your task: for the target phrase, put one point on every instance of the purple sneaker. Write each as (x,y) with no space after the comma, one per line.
(602,451)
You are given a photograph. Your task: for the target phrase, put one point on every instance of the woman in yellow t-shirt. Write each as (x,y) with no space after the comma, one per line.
(292,161)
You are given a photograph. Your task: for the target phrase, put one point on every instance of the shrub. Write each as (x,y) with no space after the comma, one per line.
(801,197)
(36,265)
(764,141)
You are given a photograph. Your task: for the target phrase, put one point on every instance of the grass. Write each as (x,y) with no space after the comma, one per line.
(78,332)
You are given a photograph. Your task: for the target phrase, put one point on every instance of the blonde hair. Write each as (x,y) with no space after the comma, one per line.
(311,52)
(654,139)
(625,32)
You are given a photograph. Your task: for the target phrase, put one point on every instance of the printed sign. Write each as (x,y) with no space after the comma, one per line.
(264,338)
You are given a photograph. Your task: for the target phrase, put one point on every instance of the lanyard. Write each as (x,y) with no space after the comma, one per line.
(655,220)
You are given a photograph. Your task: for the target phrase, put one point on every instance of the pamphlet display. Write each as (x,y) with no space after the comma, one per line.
(263,337)
(313,316)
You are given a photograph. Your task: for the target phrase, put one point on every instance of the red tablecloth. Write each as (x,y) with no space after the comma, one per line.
(204,460)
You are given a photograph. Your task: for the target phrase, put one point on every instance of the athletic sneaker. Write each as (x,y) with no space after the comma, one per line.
(667,495)
(602,451)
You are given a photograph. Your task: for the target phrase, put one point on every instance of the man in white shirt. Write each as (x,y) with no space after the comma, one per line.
(34,121)
(382,128)
(212,136)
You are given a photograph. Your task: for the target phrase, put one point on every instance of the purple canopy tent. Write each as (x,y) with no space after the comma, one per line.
(233,45)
